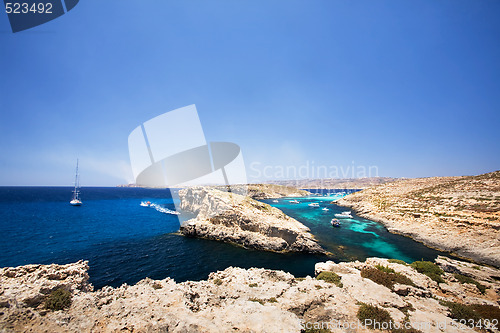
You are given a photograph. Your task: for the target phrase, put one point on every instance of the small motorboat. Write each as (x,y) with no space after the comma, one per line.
(346,214)
(313,204)
(325,209)
(275,201)
(146,204)
(294,201)
(335,222)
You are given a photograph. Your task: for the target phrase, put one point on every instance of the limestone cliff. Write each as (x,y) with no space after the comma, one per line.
(270,191)
(241,220)
(457,214)
(245,300)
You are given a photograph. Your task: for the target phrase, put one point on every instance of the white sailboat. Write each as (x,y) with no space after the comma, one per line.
(76,192)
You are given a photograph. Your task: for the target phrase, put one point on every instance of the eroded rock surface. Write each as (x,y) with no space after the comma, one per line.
(456,214)
(242,300)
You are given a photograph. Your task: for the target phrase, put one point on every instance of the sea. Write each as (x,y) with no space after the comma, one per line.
(125,242)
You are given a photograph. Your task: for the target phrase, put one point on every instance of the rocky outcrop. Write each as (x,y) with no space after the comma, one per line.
(270,191)
(241,220)
(243,300)
(456,214)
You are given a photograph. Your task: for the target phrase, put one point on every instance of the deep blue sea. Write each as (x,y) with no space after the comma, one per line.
(125,242)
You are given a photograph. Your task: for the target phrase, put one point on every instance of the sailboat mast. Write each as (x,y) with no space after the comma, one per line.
(76,181)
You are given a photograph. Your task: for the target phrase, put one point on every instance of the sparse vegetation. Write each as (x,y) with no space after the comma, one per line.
(58,299)
(385,269)
(474,312)
(258,300)
(253,285)
(430,269)
(397,261)
(157,285)
(385,276)
(460,311)
(487,311)
(217,282)
(370,314)
(330,277)
(263,301)
(465,279)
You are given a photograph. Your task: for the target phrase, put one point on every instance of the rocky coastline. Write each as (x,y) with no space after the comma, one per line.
(460,215)
(251,300)
(241,220)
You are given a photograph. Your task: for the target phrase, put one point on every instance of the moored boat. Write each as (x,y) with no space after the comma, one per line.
(346,214)
(76,201)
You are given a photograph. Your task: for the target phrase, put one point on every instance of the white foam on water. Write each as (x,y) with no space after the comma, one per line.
(160,208)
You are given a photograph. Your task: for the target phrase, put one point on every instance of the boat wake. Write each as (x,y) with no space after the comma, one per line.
(159,208)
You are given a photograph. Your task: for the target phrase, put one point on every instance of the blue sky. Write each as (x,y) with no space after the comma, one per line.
(412,87)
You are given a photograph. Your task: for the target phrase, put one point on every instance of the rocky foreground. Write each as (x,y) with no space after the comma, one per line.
(456,214)
(58,298)
(241,220)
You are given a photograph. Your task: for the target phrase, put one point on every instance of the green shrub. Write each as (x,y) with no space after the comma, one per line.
(330,277)
(385,269)
(397,261)
(258,300)
(475,312)
(465,279)
(272,300)
(461,311)
(217,282)
(487,311)
(157,285)
(430,269)
(370,314)
(253,285)
(384,278)
(58,299)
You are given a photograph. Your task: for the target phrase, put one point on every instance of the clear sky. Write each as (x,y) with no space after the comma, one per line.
(411,87)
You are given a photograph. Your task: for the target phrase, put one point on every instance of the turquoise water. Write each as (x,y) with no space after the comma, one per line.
(356,238)
(125,242)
